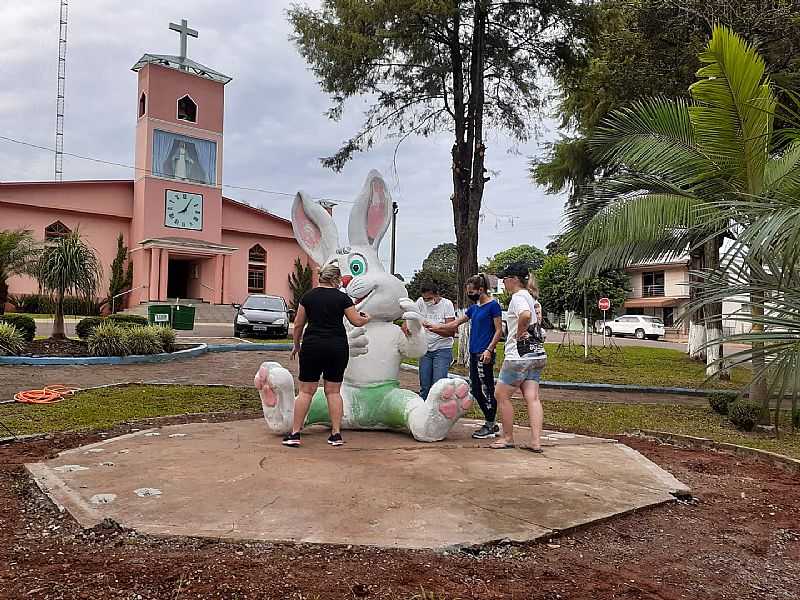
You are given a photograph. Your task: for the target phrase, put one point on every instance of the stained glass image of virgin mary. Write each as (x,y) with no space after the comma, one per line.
(185,158)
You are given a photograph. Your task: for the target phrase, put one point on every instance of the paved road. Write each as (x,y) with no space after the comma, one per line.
(238,368)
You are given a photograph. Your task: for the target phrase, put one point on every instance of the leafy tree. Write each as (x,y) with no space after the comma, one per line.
(121,275)
(455,66)
(442,258)
(301,280)
(561,290)
(530,255)
(17,255)
(69,266)
(680,163)
(444,280)
(644,48)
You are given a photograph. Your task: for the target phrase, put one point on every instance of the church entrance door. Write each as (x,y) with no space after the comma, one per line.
(178,278)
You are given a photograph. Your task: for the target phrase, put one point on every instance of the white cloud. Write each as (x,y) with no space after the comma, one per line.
(275,127)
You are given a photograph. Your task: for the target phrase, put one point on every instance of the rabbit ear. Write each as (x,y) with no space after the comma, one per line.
(372,214)
(314,228)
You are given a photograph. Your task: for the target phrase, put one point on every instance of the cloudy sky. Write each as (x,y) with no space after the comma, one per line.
(275,129)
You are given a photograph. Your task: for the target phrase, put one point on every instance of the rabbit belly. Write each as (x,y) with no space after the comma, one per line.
(381,363)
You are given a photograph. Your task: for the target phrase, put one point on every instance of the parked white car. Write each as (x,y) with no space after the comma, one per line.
(640,326)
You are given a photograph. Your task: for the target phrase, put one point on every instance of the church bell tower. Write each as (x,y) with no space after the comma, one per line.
(177,207)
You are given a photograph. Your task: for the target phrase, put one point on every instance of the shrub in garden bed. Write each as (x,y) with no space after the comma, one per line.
(108,339)
(143,340)
(85,326)
(132,319)
(744,414)
(167,336)
(124,339)
(719,401)
(23,323)
(11,340)
(42,304)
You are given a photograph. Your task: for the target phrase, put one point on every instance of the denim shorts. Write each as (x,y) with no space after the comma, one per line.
(515,371)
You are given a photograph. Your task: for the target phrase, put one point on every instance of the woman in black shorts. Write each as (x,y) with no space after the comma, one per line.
(324,350)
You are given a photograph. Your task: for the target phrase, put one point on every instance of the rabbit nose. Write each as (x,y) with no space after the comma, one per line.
(346,279)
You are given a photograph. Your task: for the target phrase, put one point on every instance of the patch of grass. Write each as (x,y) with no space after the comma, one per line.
(634,365)
(616,419)
(104,408)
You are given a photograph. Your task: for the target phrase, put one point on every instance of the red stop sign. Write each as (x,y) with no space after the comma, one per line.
(604,304)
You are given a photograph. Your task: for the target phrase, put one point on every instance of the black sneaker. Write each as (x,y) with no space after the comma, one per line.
(486,432)
(335,439)
(291,439)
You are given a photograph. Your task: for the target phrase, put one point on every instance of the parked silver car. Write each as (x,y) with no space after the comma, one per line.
(261,314)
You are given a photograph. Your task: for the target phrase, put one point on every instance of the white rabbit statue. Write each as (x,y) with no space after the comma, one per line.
(371,391)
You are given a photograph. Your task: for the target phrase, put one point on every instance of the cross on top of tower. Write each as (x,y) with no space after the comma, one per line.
(184,30)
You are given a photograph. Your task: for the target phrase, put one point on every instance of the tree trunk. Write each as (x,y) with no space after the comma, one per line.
(758,387)
(3,295)
(697,330)
(713,319)
(58,321)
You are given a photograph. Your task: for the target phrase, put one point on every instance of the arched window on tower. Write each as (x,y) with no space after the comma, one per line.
(56,231)
(187,109)
(257,270)
(142,104)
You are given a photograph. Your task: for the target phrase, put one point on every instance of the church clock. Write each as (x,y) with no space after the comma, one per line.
(183,210)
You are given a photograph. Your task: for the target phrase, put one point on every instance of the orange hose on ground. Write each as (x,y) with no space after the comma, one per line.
(49,395)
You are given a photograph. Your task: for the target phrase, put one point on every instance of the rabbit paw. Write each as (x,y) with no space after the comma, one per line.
(358,341)
(276,388)
(447,401)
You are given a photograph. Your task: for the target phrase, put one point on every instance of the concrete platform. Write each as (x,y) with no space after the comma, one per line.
(235,480)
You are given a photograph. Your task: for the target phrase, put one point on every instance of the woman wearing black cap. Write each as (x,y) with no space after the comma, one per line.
(524,359)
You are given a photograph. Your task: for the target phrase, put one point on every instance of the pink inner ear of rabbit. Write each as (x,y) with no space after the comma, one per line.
(310,233)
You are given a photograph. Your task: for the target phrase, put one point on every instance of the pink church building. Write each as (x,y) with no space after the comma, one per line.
(186,240)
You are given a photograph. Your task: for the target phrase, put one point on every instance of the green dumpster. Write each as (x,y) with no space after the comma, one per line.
(159,314)
(183,317)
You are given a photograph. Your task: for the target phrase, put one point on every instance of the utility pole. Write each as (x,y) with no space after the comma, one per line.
(394,236)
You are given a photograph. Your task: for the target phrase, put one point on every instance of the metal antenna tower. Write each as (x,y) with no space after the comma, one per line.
(62,78)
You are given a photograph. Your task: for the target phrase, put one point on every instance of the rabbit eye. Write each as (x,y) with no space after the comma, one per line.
(357,266)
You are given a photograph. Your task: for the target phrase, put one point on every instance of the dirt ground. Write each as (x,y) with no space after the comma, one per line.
(739,538)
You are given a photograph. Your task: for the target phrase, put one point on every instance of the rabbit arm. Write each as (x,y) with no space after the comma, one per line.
(413,345)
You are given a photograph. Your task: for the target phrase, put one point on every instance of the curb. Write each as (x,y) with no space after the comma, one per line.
(781,461)
(104,360)
(600,387)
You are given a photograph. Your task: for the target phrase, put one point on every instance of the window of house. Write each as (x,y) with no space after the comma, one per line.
(187,110)
(669,316)
(256,279)
(257,254)
(142,104)
(652,283)
(56,231)
(182,157)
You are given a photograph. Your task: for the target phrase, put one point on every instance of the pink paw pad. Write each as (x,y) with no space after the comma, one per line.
(462,391)
(449,409)
(268,397)
(447,392)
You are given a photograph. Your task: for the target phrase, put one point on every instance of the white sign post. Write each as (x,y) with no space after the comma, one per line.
(604,304)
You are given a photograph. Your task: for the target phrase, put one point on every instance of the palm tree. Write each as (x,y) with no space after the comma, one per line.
(678,165)
(68,267)
(17,255)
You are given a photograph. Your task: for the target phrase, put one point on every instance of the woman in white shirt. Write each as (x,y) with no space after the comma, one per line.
(520,372)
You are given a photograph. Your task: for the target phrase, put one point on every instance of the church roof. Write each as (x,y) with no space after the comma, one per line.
(181,64)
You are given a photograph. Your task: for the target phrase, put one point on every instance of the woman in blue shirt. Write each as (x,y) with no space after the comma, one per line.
(486,327)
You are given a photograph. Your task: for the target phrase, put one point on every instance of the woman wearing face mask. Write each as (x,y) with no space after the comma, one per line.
(486,327)
(436,310)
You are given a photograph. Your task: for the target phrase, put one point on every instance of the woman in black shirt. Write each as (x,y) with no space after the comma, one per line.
(324,350)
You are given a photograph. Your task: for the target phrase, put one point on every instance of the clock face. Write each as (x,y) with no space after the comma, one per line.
(183,210)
